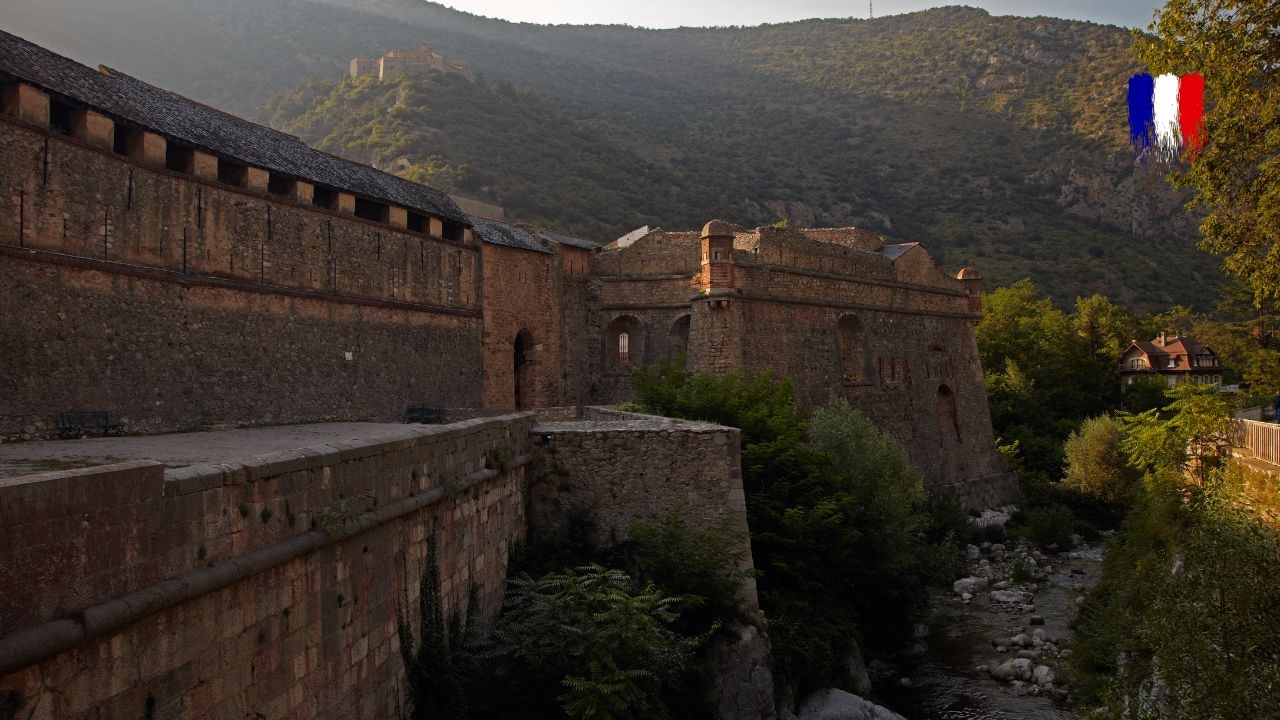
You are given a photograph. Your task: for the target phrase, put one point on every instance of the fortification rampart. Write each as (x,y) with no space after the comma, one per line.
(175,301)
(266,586)
(271,585)
(615,468)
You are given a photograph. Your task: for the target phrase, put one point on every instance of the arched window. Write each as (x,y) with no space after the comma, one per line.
(624,344)
(853,363)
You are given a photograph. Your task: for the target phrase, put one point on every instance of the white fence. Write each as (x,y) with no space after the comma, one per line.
(1262,438)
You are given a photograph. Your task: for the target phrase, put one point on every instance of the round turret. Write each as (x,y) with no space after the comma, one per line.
(717,228)
(968,274)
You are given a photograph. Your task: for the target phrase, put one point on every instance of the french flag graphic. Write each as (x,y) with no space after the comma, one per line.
(1166,114)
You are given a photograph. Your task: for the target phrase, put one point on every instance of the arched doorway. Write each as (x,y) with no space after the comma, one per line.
(678,339)
(522,362)
(853,363)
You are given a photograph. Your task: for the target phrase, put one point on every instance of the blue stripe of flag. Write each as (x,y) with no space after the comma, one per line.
(1141,110)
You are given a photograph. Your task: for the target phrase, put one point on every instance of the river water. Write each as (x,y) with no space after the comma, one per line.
(949,680)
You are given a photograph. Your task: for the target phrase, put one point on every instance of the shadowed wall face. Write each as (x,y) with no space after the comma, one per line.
(175,302)
(290,572)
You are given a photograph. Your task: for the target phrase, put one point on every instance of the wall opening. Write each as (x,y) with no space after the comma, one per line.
(624,343)
(282,185)
(325,197)
(60,116)
(452,231)
(417,222)
(852,342)
(948,416)
(678,338)
(232,173)
(371,210)
(126,140)
(179,158)
(522,357)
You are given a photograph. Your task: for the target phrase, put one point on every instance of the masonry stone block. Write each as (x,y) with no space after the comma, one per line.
(26,103)
(93,128)
(204,165)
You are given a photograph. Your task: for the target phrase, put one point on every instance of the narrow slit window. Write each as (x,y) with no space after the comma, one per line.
(624,342)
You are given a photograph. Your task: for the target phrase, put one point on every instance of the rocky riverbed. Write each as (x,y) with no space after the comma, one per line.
(1001,638)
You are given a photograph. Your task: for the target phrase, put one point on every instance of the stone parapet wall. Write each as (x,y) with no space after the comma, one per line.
(268,586)
(63,196)
(619,467)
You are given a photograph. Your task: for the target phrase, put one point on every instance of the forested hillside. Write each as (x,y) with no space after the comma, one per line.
(997,141)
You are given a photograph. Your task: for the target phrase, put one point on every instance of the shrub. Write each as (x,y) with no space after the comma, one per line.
(703,569)
(592,641)
(1096,463)
(1051,525)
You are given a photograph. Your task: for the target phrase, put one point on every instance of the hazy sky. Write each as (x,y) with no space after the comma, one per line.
(672,13)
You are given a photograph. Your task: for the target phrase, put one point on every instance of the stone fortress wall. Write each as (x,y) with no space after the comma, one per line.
(834,310)
(179,287)
(266,586)
(175,299)
(271,585)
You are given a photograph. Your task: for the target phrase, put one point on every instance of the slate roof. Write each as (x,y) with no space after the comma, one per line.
(127,98)
(893,252)
(500,233)
(563,239)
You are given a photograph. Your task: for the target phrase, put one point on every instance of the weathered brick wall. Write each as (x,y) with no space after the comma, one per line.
(175,301)
(621,467)
(266,616)
(521,296)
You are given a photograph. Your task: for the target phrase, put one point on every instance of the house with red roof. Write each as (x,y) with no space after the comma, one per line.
(1177,359)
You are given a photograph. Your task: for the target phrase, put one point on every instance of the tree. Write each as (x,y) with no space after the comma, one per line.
(1096,462)
(1236,177)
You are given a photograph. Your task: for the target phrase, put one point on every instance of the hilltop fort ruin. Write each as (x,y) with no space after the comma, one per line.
(395,63)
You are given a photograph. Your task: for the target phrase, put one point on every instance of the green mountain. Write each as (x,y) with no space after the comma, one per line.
(997,141)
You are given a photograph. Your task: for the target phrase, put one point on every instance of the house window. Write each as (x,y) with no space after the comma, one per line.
(1137,363)
(1171,380)
(624,340)
(1173,362)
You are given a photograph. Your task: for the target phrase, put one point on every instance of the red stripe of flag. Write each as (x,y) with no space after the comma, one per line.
(1191,112)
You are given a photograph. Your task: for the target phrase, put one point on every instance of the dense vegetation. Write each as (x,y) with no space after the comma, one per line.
(997,141)
(1186,620)
(845,542)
